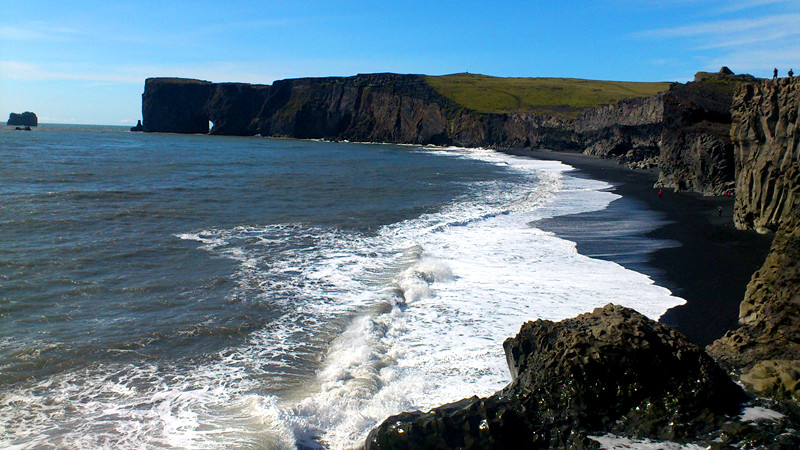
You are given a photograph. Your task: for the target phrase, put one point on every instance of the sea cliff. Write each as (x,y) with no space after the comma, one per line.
(765,135)
(684,131)
(765,350)
(374,107)
(719,134)
(562,370)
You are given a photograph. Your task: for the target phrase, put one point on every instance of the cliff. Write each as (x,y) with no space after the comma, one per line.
(684,131)
(175,105)
(26,119)
(696,152)
(717,133)
(765,350)
(373,107)
(765,135)
(629,130)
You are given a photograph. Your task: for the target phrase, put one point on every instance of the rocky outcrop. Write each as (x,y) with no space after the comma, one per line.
(373,107)
(629,130)
(26,119)
(696,152)
(611,371)
(627,112)
(765,349)
(766,137)
(175,105)
(138,126)
(684,131)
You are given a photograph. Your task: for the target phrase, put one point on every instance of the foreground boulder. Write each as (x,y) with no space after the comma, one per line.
(611,371)
(26,119)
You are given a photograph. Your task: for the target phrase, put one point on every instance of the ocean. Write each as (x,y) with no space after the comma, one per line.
(192,291)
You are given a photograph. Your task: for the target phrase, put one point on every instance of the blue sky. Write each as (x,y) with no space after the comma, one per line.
(86,61)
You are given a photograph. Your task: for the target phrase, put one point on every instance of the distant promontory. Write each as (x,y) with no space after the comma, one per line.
(26,119)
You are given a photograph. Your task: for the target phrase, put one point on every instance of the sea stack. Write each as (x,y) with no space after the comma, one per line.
(26,119)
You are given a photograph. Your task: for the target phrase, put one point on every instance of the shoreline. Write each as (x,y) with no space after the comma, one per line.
(701,257)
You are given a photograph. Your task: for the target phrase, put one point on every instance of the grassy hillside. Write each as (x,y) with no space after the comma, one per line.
(564,97)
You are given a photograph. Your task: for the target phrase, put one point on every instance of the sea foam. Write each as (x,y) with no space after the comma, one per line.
(367,324)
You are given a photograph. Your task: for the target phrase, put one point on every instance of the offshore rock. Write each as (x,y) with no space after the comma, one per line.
(26,119)
(765,349)
(611,371)
(766,137)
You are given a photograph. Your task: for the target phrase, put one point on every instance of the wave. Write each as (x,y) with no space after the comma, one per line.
(366,324)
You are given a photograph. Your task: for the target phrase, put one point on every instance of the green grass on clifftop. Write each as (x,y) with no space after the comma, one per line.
(563,97)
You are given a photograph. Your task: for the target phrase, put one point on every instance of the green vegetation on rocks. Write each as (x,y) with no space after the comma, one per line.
(562,97)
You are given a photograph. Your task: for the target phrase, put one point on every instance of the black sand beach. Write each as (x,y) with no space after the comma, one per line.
(704,260)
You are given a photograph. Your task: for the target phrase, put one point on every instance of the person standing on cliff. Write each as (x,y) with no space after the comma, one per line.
(791,74)
(775,74)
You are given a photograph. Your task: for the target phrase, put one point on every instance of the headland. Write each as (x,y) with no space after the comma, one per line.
(722,141)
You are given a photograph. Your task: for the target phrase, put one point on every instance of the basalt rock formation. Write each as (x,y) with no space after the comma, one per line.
(373,107)
(765,350)
(26,119)
(696,152)
(611,371)
(684,131)
(629,130)
(175,105)
(766,136)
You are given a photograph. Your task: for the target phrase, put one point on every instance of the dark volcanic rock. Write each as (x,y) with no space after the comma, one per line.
(629,130)
(696,149)
(26,119)
(176,105)
(765,349)
(684,131)
(138,127)
(232,108)
(767,141)
(613,370)
(371,107)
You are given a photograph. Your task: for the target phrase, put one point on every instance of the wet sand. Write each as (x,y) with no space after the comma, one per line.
(699,255)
